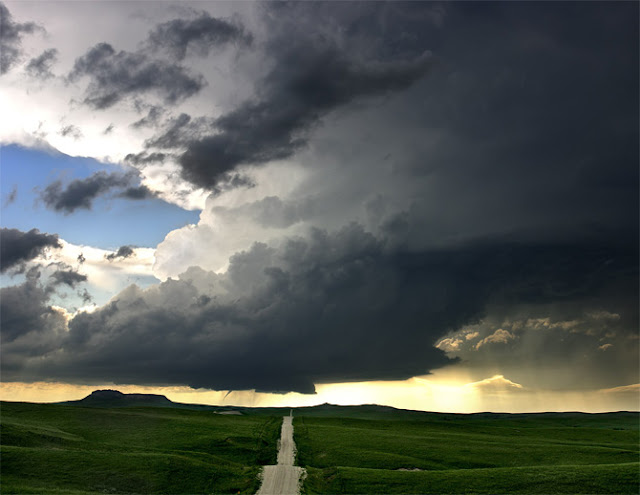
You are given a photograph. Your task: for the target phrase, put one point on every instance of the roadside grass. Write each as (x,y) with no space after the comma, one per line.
(49,448)
(583,479)
(537,453)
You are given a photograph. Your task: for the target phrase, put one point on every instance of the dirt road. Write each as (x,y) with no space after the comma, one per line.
(284,478)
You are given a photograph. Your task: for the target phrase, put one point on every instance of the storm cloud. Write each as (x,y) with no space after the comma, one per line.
(70,278)
(80,193)
(306,84)
(151,119)
(31,327)
(40,66)
(199,36)
(17,247)
(307,80)
(137,193)
(11,33)
(115,75)
(141,159)
(392,188)
(331,306)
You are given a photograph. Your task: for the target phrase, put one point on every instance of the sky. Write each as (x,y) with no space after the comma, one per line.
(427,205)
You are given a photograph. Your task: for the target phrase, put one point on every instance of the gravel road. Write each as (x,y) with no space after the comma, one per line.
(284,478)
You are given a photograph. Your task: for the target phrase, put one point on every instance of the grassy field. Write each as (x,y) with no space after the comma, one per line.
(77,450)
(409,452)
(73,450)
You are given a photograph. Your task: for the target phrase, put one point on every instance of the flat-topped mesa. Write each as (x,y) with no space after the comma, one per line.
(115,398)
(154,397)
(105,394)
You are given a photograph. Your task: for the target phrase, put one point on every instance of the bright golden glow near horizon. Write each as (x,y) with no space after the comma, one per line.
(431,393)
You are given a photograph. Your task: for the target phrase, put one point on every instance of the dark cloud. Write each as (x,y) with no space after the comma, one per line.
(24,310)
(151,119)
(179,131)
(519,136)
(80,193)
(526,115)
(141,159)
(501,191)
(123,252)
(309,78)
(115,75)
(10,38)
(330,307)
(199,36)
(30,328)
(137,193)
(69,278)
(40,66)
(17,247)
(307,82)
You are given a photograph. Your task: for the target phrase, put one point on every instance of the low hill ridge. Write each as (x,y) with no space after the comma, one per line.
(115,399)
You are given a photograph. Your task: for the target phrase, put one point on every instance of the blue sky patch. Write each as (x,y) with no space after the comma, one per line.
(111,222)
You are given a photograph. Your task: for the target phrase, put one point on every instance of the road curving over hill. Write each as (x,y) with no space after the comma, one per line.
(283,478)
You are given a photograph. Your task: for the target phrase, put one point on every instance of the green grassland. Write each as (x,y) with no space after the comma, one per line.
(73,450)
(410,452)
